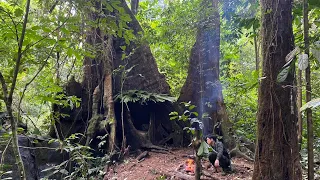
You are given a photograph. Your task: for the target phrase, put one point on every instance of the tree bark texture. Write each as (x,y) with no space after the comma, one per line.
(277,151)
(202,86)
(98,74)
(105,71)
(143,76)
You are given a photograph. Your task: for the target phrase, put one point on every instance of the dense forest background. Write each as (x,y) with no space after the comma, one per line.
(92,78)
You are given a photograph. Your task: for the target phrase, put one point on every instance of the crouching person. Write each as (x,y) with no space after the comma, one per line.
(220,156)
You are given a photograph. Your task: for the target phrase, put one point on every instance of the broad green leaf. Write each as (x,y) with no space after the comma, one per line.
(303,61)
(18,12)
(7,178)
(7,172)
(204,149)
(200,150)
(311,104)
(174,113)
(191,107)
(49,169)
(173,117)
(109,8)
(282,76)
(316,51)
(64,171)
(195,113)
(123,47)
(70,52)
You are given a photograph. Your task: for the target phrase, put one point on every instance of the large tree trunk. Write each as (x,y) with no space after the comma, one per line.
(134,6)
(277,152)
(104,74)
(202,86)
(144,75)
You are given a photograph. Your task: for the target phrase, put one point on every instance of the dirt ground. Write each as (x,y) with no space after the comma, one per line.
(163,166)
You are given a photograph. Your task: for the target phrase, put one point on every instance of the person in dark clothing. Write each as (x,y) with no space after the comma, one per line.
(220,156)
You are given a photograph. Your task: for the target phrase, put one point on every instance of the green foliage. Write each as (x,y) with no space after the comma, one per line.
(143,97)
(162,177)
(289,66)
(311,104)
(240,82)
(201,148)
(204,149)
(170,29)
(187,115)
(5,140)
(55,46)
(196,125)
(85,165)
(282,76)
(314,37)
(94,121)
(53,50)
(47,34)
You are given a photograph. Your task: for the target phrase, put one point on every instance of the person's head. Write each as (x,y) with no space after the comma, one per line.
(211,139)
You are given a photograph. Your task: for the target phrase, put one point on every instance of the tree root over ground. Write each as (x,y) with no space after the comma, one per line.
(237,153)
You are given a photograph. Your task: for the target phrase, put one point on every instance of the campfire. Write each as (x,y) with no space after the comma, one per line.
(189,165)
(187,169)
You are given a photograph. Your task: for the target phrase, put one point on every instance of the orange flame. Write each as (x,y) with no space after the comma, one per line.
(190,165)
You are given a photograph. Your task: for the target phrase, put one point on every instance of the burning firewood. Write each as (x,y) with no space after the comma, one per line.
(190,165)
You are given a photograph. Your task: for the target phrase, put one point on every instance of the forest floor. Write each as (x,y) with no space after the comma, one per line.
(171,165)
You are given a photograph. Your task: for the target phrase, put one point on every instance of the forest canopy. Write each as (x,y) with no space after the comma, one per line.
(94,78)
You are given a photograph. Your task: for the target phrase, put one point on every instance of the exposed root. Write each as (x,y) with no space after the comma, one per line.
(154,147)
(237,153)
(143,155)
(168,138)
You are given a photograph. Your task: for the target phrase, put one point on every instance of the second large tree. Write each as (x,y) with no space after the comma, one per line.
(202,87)
(277,152)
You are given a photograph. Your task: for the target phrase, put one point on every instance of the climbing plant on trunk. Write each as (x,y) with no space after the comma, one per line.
(308,92)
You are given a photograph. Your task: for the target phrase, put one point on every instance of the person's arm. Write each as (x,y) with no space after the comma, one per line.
(219,150)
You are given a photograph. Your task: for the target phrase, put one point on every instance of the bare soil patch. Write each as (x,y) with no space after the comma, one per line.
(162,166)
